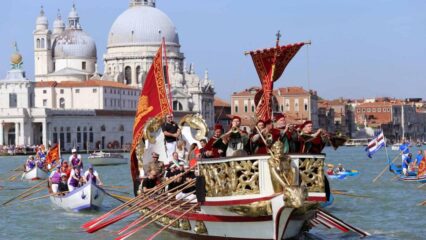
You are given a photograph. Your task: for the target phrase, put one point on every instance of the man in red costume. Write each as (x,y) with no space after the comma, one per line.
(288,134)
(215,147)
(310,141)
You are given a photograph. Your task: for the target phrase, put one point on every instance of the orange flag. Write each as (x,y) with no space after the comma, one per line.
(422,167)
(152,103)
(52,155)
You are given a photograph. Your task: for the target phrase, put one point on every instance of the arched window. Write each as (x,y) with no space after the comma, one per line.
(128,75)
(38,42)
(138,74)
(62,103)
(42,43)
(78,135)
(177,106)
(68,134)
(103,128)
(121,128)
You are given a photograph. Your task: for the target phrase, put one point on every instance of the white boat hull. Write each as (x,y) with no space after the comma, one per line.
(35,174)
(99,161)
(86,197)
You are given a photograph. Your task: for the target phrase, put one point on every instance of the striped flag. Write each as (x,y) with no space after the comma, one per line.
(375,144)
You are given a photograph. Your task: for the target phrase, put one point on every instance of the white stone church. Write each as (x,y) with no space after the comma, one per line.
(71,103)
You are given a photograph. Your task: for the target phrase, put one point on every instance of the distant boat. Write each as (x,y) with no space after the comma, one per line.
(395,146)
(88,196)
(343,174)
(356,142)
(104,158)
(35,173)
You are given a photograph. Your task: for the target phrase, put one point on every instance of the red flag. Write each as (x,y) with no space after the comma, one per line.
(270,64)
(52,155)
(152,103)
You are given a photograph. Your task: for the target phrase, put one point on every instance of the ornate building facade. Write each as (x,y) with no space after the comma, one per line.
(71,103)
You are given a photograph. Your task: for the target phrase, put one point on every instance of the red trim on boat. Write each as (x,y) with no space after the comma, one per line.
(317,199)
(239,201)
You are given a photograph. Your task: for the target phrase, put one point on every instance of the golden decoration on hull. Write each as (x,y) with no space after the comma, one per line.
(312,174)
(231,178)
(200,228)
(256,209)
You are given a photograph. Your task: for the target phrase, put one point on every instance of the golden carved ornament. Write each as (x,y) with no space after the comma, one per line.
(200,228)
(195,121)
(231,178)
(312,173)
(256,209)
(152,126)
(184,224)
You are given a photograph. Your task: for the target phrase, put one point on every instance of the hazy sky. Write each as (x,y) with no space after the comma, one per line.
(359,48)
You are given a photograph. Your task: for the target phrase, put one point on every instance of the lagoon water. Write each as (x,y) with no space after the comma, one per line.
(389,210)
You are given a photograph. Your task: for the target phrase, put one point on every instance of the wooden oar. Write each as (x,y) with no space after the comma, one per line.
(422,185)
(100,225)
(124,198)
(31,193)
(14,176)
(139,198)
(125,236)
(112,186)
(152,212)
(386,168)
(422,203)
(33,187)
(112,196)
(348,194)
(45,196)
(171,223)
(116,191)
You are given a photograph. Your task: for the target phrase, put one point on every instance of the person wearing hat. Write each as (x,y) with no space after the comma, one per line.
(65,168)
(30,163)
(55,178)
(310,141)
(92,175)
(287,134)
(257,145)
(215,146)
(171,133)
(63,185)
(235,139)
(75,159)
(76,180)
(156,165)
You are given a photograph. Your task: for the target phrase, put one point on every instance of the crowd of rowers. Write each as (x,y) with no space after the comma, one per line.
(67,177)
(235,142)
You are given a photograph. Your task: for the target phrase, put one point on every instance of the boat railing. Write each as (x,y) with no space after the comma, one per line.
(251,175)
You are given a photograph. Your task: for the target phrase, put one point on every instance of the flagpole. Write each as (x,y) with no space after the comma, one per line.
(166,73)
(386,147)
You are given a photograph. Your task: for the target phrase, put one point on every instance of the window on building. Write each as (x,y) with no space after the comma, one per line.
(128,74)
(296,105)
(379,109)
(363,110)
(44,102)
(44,91)
(94,90)
(245,108)
(68,135)
(91,135)
(287,105)
(78,135)
(177,106)
(77,91)
(368,110)
(305,103)
(138,74)
(358,110)
(103,128)
(38,43)
(252,108)
(61,91)
(384,109)
(373,109)
(42,43)
(62,103)
(13,100)
(83,65)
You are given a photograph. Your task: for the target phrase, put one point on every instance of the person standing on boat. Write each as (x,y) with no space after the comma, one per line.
(92,175)
(311,142)
(181,150)
(419,158)
(288,135)
(65,168)
(75,160)
(63,185)
(156,165)
(215,146)
(171,134)
(406,163)
(30,164)
(75,180)
(236,139)
(55,178)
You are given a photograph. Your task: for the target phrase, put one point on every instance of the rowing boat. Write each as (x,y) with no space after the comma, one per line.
(86,197)
(35,173)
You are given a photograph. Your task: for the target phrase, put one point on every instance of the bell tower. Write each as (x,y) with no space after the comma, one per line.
(42,47)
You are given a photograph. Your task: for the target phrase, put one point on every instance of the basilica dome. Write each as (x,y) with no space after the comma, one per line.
(142,25)
(73,43)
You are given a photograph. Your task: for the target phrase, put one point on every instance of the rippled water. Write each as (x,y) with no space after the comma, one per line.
(388,212)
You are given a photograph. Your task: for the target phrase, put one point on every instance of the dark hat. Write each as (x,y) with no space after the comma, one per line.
(236,117)
(155,155)
(278,116)
(305,123)
(268,121)
(260,121)
(218,126)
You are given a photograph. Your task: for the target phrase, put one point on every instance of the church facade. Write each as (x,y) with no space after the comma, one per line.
(71,103)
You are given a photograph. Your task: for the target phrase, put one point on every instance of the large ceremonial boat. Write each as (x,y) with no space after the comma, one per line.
(274,196)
